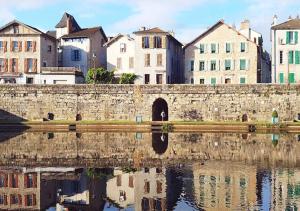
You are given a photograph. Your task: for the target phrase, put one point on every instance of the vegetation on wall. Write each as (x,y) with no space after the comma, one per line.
(99,76)
(128,78)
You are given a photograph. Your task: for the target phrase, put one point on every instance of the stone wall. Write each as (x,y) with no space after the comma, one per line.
(125,102)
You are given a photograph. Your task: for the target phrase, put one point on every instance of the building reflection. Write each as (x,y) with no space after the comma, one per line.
(160,142)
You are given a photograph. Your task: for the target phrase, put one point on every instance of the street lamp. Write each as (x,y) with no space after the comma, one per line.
(94,62)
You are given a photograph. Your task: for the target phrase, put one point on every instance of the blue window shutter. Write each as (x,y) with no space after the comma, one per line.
(287,37)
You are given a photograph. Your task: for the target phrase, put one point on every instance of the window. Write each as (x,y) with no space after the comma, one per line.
(122,47)
(227,64)
(29,80)
(14,180)
(147,78)
(30,65)
(145,42)
(202,48)
(119,63)
(242,64)
(29,46)
(147,187)
(131,62)
(14,65)
(281,57)
(119,180)
(227,80)
(30,200)
(147,60)
(130,182)
(15,46)
(242,80)
(14,199)
(158,78)
(44,64)
(291,57)
(228,48)
(291,37)
(213,65)
(158,187)
(1,46)
(49,48)
(213,48)
(202,65)
(202,81)
(291,78)
(243,47)
(1,199)
(159,59)
(2,181)
(192,65)
(281,78)
(16,29)
(157,42)
(213,81)
(297,57)
(2,65)
(76,55)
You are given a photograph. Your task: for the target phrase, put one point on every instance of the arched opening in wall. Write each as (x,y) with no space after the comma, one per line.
(50,116)
(160,143)
(245,118)
(78,117)
(160,110)
(228,81)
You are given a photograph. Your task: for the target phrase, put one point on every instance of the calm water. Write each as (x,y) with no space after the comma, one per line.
(141,171)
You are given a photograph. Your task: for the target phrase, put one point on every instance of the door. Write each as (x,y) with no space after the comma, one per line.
(158,78)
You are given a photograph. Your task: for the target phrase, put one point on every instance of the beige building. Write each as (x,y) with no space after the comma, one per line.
(154,55)
(218,187)
(24,50)
(224,55)
(285,51)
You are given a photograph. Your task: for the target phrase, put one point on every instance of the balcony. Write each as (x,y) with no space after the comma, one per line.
(61,71)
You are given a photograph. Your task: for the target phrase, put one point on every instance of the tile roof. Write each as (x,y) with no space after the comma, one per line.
(291,24)
(153,30)
(51,33)
(83,33)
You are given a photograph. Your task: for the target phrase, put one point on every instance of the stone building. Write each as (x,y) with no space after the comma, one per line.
(24,51)
(154,55)
(82,48)
(224,55)
(285,51)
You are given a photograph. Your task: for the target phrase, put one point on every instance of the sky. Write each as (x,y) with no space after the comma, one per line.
(187,18)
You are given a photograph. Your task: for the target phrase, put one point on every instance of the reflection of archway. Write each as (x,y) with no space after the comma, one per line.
(160,142)
(245,118)
(159,106)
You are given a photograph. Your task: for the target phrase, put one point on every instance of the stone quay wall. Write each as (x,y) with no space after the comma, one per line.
(125,102)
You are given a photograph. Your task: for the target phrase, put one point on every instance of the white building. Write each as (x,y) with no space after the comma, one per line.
(154,55)
(285,51)
(80,48)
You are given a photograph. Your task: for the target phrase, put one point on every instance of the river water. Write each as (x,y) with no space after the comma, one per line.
(149,171)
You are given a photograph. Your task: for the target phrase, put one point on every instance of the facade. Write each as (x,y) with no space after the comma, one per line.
(223,55)
(285,51)
(80,48)
(154,55)
(24,50)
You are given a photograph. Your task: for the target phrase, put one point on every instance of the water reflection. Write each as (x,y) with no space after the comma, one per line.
(208,186)
(160,142)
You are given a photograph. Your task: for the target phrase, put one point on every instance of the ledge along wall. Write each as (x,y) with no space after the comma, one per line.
(125,102)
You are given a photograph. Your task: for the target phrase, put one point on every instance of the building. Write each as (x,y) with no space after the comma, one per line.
(224,55)
(24,50)
(81,48)
(154,55)
(285,51)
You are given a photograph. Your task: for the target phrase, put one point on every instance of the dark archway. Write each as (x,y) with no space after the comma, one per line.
(159,106)
(160,143)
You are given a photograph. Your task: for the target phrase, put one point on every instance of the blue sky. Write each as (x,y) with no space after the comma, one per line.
(187,18)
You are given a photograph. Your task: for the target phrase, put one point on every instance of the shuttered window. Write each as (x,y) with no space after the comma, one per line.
(281,78)
(159,60)
(291,57)
(297,57)
(291,78)
(147,60)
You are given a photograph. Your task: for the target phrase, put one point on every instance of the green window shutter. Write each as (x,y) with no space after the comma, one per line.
(292,78)
(242,80)
(291,57)
(281,78)
(213,80)
(297,57)
(296,37)
(242,64)
(287,37)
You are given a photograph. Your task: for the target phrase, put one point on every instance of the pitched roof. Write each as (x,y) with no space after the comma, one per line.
(116,38)
(152,30)
(64,22)
(290,24)
(51,33)
(215,26)
(28,26)
(85,33)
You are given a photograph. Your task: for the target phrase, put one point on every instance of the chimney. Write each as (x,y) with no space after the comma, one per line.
(143,28)
(290,18)
(275,20)
(245,25)
(172,33)
(298,17)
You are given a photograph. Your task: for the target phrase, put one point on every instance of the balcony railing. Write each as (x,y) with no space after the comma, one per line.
(60,70)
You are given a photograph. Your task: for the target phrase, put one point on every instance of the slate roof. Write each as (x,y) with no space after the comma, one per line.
(51,33)
(64,22)
(291,24)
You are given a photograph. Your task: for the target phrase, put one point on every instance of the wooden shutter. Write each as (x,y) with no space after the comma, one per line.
(25,175)
(34,180)
(5,199)
(34,46)
(35,65)
(6,69)
(26,46)
(11,46)
(33,199)
(20,199)
(16,70)
(164,42)
(5,46)
(151,42)
(25,71)
(20,46)
(26,200)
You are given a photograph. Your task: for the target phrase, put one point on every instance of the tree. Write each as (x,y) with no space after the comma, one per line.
(99,76)
(128,78)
